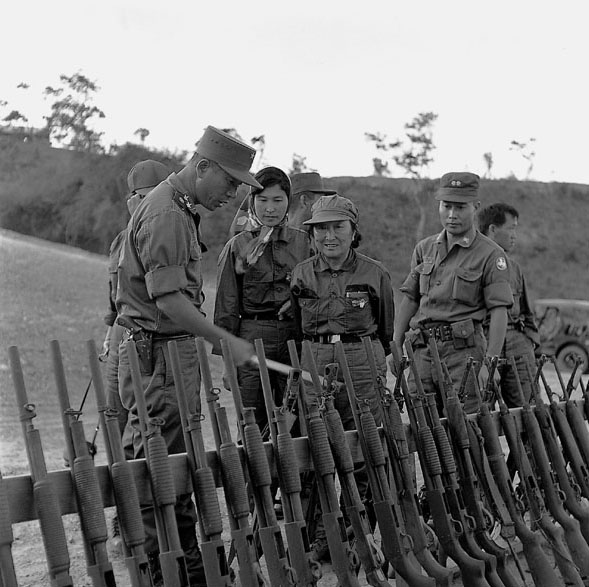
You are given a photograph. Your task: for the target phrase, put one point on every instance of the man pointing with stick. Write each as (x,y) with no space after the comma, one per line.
(160,297)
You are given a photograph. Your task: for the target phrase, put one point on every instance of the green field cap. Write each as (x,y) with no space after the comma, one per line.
(333,209)
(145,175)
(458,186)
(230,154)
(309,182)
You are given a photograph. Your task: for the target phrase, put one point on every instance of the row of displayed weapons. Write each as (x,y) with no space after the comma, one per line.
(468,483)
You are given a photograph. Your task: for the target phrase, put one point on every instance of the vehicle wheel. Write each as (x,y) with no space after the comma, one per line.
(566,358)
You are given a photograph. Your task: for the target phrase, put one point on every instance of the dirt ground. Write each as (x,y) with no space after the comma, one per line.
(53,292)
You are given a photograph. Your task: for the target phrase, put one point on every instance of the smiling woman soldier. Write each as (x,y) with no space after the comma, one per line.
(342,295)
(253,296)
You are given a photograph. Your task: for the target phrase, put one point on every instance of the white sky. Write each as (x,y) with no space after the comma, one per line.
(314,76)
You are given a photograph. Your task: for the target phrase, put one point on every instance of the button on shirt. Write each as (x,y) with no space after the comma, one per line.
(161,255)
(356,299)
(265,286)
(463,282)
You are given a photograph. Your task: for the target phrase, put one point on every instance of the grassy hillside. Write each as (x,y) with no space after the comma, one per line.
(78,199)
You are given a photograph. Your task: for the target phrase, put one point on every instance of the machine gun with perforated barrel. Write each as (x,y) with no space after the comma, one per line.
(553,532)
(468,490)
(344,559)
(369,553)
(212,547)
(449,529)
(44,494)
(397,544)
(295,528)
(399,458)
(171,555)
(242,536)
(280,571)
(85,481)
(123,483)
(533,542)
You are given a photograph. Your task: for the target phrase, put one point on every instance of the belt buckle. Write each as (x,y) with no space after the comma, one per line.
(333,338)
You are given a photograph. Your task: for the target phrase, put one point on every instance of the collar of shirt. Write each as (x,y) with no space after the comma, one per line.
(181,196)
(465,241)
(321,263)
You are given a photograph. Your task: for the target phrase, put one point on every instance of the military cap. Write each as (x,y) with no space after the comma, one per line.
(309,182)
(230,154)
(458,186)
(333,208)
(145,175)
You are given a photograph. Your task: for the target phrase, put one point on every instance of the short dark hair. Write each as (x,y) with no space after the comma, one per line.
(495,214)
(269,177)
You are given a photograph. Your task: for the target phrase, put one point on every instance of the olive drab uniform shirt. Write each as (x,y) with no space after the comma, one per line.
(457,284)
(162,254)
(356,299)
(520,315)
(265,286)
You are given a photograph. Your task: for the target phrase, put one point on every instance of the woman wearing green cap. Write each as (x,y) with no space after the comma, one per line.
(253,295)
(342,295)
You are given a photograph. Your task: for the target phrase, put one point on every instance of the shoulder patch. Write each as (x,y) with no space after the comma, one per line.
(501,263)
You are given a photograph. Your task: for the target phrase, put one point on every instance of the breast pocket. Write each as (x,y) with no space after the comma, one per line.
(467,286)
(358,311)
(424,270)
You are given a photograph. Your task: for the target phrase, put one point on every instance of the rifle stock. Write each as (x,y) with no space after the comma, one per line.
(295,528)
(250,573)
(171,555)
(279,569)
(203,484)
(85,481)
(122,480)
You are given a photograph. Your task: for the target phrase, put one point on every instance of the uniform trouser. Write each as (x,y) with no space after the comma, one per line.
(364,389)
(113,398)
(455,360)
(275,334)
(521,348)
(160,397)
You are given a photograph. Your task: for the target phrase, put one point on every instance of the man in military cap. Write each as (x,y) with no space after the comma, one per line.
(306,189)
(160,296)
(499,222)
(457,278)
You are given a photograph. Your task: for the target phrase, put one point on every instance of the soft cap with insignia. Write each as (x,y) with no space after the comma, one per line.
(230,154)
(458,186)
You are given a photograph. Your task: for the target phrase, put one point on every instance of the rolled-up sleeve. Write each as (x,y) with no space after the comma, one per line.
(164,247)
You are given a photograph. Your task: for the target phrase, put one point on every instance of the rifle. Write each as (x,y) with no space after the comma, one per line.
(7,570)
(578,455)
(122,481)
(541,569)
(554,451)
(369,553)
(279,569)
(85,481)
(250,573)
(448,529)
(402,467)
(45,497)
(554,533)
(171,555)
(307,569)
(463,500)
(344,559)
(397,544)
(203,484)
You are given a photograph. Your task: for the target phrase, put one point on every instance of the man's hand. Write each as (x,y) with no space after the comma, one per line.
(285,311)
(105,346)
(483,376)
(242,350)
